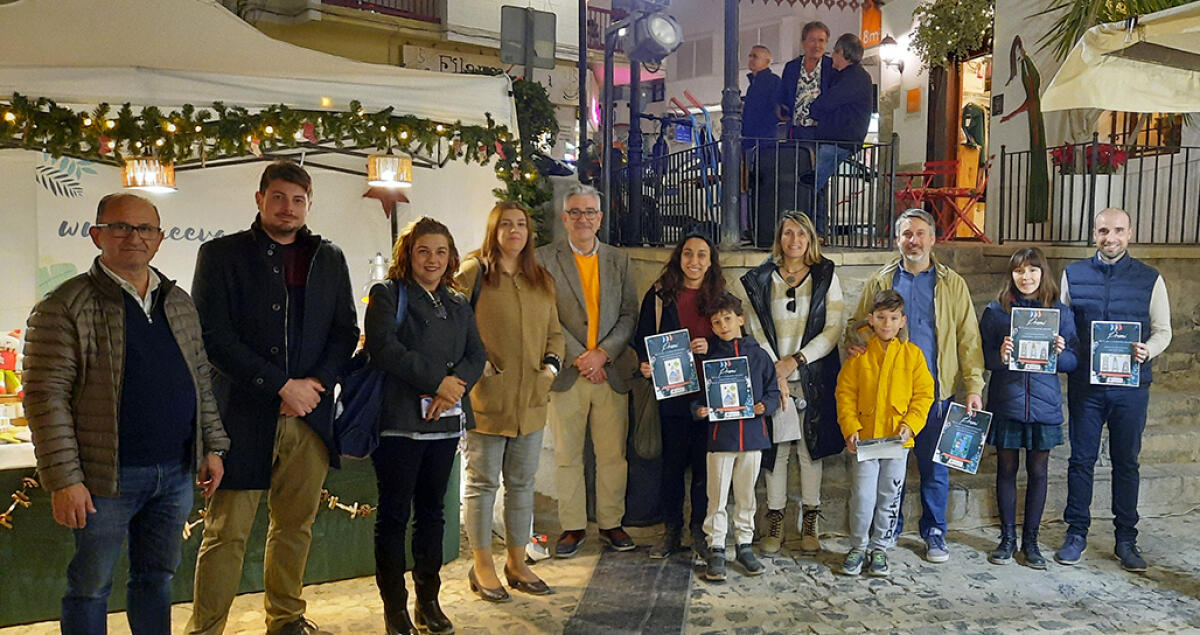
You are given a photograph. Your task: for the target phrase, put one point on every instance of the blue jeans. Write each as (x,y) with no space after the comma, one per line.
(935,477)
(151,509)
(829,157)
(1124,410)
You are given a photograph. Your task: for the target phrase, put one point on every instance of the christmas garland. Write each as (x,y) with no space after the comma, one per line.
(223,131)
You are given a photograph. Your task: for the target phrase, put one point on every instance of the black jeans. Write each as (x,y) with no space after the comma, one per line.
(412,479)
(683,446)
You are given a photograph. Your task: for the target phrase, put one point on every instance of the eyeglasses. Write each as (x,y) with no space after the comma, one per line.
(123,230)
(791,294)
(588,213)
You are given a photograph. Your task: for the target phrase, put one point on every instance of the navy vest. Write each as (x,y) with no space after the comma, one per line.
(1116,292)
(158,397)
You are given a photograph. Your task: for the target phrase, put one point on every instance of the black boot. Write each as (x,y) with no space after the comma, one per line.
(1029,547)
(428,615)
(395,605)
(397,622)
(1008,545)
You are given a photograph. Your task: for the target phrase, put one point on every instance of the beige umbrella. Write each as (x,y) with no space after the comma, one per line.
(1146,64)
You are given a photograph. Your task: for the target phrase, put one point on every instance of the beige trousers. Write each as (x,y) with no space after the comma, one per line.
(737,471)
(571,413)
(300,465)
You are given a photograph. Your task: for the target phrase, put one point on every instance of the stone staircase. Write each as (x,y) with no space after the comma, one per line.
(1170,473)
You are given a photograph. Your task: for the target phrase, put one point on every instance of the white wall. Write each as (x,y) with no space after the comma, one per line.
(913,127)
(478,22)
(211,200)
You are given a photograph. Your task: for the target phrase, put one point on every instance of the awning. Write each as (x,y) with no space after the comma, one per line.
(1151,65)
(168,53)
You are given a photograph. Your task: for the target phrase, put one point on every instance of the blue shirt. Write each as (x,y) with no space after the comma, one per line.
(917,291)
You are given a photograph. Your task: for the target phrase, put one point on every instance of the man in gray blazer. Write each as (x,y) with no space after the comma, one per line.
(597,305)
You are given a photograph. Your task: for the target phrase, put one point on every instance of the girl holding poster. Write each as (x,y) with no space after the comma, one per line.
(1026,406)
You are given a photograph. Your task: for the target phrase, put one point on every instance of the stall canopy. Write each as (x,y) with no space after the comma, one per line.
(168,53)
(1152,65)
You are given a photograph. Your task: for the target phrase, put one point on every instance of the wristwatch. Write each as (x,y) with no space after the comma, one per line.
(220,454)
(799,357)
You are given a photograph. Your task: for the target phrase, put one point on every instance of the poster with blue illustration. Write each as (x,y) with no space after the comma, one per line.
(672,366)
(960,445)
(1113,363)
(727,388)
(1033,334)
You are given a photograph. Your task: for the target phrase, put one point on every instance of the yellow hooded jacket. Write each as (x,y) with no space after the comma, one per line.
(880,390)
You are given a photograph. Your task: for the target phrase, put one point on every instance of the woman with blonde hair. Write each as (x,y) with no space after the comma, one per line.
(797,317)
(517,317)
(432,359)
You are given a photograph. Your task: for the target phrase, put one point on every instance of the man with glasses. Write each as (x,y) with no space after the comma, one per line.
(118,398)
(942,323)
(279,324)
(597,305)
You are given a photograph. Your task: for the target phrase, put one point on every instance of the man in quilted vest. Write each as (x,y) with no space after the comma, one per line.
(118,397)
(1110,286)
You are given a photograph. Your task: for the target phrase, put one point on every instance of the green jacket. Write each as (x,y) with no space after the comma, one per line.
(958,342)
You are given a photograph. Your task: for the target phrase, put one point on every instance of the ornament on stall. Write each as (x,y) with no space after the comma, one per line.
(10,360)
(355,509)
(256,146)
(20,499)
(106,146)
(309,132)
(387,197)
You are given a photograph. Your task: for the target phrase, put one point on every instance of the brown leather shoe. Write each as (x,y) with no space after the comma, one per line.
(617,539)
(569,543)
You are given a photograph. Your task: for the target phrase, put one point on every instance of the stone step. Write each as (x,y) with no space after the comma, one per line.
(1165,489)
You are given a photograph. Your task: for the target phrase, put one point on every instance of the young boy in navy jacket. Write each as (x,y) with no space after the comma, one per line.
(735,446)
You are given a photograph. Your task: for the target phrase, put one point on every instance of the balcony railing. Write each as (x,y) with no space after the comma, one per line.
(1158,185)
(423,10)
(681,193)
(598,20)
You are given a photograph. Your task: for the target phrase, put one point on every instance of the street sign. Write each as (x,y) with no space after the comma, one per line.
(527,37)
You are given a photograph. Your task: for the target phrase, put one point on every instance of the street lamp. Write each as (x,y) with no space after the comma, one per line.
(889,53)
(653,37)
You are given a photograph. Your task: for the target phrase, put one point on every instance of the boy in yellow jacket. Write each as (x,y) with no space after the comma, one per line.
(884,392)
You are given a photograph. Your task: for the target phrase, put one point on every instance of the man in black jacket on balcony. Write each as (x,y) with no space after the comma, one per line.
(842,113)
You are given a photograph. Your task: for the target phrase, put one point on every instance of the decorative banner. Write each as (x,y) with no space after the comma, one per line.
(872,24)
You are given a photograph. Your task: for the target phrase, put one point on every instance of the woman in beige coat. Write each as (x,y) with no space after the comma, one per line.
(515,309)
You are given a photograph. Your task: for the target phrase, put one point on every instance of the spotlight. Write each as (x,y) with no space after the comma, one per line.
(653,37)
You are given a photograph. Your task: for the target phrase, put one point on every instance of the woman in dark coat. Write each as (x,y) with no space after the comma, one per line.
(689,282)
(797,317)
(432,359)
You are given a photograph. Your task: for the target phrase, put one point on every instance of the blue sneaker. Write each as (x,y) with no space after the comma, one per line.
(1071,550)
(935,548)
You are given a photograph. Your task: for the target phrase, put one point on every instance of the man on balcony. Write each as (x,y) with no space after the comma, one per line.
(842,113)
(1110,286)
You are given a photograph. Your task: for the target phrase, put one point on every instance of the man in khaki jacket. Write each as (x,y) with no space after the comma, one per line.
(941,321)
(118,397)
(597,305)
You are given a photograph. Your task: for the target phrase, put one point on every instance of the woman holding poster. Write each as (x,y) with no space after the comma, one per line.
(1024,394)
(689,282)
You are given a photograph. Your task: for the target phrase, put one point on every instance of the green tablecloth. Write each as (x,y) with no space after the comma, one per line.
(34,554)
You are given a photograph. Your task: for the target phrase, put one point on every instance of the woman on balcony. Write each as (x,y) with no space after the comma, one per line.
(517,316)
(797,317)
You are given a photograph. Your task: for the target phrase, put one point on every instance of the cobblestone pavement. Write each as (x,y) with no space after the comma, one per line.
(800,594)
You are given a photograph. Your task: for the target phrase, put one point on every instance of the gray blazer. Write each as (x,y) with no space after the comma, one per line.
(618,317)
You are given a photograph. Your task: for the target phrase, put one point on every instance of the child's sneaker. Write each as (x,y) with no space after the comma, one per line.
(879,565)
(746,558)
(853,563)
(715,572)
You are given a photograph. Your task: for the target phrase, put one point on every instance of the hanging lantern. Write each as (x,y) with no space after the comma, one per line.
(149,174)
(389,170)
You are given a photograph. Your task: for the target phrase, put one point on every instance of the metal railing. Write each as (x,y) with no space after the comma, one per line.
(424,10)
(1158,185)
(598,20)
(681,192)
